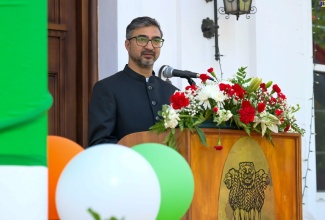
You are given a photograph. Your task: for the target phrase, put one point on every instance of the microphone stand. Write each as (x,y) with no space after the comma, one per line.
(190,80)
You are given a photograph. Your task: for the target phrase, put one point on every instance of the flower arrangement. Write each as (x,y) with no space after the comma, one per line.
(248,103)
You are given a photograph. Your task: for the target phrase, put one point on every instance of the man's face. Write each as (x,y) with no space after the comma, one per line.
(143,56)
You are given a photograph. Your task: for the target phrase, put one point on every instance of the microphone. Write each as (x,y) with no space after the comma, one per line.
(169,72)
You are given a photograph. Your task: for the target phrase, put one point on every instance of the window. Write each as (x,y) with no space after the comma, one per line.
(319,94)
(318,19)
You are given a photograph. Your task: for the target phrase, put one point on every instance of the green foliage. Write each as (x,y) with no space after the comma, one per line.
(170,139)
(201,135)
(240,76)
(187,122)
(202,117)
(158,127)
(242,125)
(96,216)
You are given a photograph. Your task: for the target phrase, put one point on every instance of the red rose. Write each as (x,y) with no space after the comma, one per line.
(261,107)
(245,104)
(287,128)
(191,87)
(178,100)
(262,86)
(210,70)
(247,112)
(219,147)
(278,112)
(272,101)
(281,96)
(204,77)
(215,109)
(224,87)
(239,91)
(276,88)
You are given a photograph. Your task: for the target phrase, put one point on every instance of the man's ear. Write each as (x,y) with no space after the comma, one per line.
(127,45)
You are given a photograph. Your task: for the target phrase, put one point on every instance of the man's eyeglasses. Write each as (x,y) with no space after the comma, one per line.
(142,41)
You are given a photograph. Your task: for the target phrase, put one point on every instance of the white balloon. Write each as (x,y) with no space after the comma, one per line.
(112,180)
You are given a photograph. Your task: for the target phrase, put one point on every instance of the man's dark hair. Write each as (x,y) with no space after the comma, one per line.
(141,22)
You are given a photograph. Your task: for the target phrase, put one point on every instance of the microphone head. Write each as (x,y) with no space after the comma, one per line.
(166,71)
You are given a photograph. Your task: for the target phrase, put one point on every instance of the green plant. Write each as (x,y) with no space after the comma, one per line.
(96,216)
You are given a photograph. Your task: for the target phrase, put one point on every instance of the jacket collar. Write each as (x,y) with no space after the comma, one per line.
(134,74)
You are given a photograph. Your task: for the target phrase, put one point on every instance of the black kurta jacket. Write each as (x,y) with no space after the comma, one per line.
(125,103)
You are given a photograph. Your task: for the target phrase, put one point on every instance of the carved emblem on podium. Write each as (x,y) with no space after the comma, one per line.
(246,190)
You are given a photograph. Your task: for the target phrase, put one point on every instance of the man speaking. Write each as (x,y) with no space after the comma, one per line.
(129,100)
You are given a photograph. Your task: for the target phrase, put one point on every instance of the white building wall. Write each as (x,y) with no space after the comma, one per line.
(275,44)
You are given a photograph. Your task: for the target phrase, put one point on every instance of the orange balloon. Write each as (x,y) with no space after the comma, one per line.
(60,151)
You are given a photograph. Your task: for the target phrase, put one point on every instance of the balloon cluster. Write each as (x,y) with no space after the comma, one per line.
(147,181)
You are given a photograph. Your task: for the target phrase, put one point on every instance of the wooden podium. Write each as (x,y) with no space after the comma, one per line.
(235,182)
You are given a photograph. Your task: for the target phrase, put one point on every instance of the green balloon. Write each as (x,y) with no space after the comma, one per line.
(175,178)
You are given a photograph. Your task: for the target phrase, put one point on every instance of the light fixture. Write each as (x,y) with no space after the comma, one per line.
(233,7)
(237,7)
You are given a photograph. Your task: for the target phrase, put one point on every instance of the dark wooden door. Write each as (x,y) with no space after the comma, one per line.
(72,65)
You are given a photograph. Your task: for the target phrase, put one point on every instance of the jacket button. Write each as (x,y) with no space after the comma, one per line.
(150,87)
(153,103)
(157,118)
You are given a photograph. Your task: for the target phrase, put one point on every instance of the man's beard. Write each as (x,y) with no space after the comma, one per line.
(144,63)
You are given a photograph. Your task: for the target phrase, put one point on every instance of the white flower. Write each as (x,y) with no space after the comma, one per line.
(171,117)
(209,91)
(267,120)
(224,115)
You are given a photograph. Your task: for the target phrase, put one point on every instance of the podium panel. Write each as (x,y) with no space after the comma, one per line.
(248,178)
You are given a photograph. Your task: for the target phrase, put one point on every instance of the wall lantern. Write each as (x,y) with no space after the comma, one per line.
(231,7)
(237,7)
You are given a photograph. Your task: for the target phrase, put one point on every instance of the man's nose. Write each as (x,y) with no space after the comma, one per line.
(149,45)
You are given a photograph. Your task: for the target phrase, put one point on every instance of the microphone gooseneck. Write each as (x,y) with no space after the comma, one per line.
(168,72)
